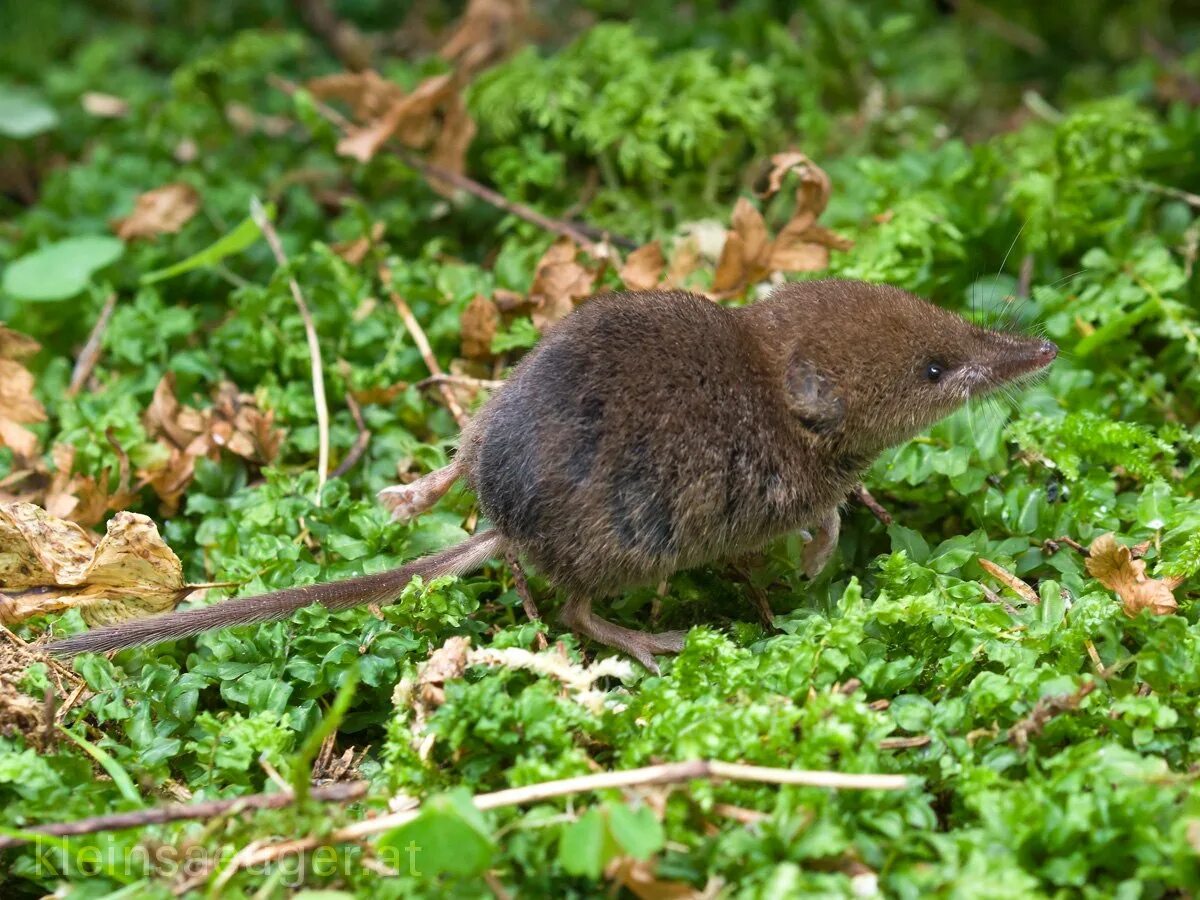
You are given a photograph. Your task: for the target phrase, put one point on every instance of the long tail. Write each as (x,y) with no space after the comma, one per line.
(383,587)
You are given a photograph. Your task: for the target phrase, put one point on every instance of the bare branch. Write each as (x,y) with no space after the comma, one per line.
(90,354)
(314,347)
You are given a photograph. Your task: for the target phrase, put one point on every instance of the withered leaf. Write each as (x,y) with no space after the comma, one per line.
(164,210)
(640,878)
(355,251)
(813,191)
(488,31)
(130,573)
(750,254)
(732,266)
(559,281)
(14,345)
(409,118)
(1011,581)
(234,423)
(643,267)
(18,405)
(685,259)
(368,94)
(449,150)
(1113,565)
(480,321)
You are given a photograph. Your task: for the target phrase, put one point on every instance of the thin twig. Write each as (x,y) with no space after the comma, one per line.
(863,496)
(314,347)
(904,743)
(1046,709)
(342,792)
(587,237)
(90,354)
(360,442)
(1025,278)
(1192,200)
(422,342)
(670,773)
(484,384)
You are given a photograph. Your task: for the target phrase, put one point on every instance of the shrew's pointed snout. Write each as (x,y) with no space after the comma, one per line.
(1045,352)
(1013,358)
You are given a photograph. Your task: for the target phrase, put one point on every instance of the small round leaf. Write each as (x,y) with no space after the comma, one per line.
(62,269)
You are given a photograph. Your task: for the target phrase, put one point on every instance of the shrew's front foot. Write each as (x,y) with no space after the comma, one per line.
(824,540)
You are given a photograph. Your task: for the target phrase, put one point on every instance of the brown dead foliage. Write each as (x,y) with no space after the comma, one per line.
(1010,581)
(560,282)
(640,878)
(488,31)
(1114,566)
(479,322)
(18,405)
(432,117)
(49,565)
(750,253)
(234,423)
(164,210)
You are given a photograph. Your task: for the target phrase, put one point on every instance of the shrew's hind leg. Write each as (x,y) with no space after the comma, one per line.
(407,501)
(641,645)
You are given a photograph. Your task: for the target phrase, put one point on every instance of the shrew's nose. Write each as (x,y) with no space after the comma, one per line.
(1046,352)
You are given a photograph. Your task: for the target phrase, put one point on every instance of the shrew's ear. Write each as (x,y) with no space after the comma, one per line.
(812,398)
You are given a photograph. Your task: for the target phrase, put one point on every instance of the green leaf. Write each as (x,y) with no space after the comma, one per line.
(119,776)
(448,837)
(587,845)
(23,114)
(605,832)
(60,270)
(237,240)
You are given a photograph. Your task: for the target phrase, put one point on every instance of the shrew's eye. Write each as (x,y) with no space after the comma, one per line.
(933,372)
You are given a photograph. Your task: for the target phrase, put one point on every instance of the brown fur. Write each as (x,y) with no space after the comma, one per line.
(653,431)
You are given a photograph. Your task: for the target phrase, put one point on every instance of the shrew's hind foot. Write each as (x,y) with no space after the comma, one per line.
(641,645)
(407,501)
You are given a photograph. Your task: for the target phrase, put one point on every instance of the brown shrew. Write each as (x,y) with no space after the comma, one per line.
(653,431)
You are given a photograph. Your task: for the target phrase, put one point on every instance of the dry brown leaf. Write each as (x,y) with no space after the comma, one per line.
(510,301)
(84,499)
(488,31)
(355,251)
(18,405)
(639,877)
(14,345)
(234,423)
(684,261)
(1009,580)
(1113,565)
(750,227)
(409,118)
(643,268)
(480,321)
(559,282)
(368,94)
(731,267)
(37,549)
(813,191)
(17,401)
(164,210)
(750,254)
(449,150)
(792,253)
(129,574)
